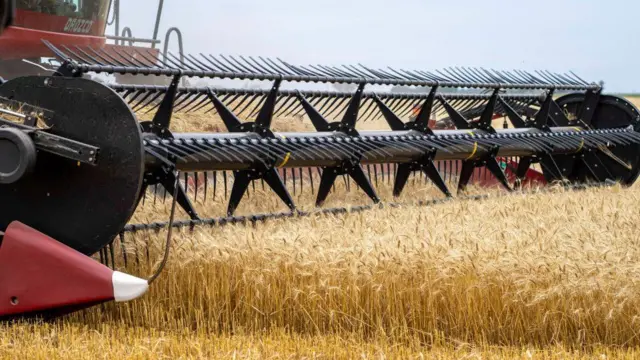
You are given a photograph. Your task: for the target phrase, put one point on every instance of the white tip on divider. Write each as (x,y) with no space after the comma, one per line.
(127,287)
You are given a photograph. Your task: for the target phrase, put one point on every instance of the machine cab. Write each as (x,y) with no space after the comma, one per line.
(69,23)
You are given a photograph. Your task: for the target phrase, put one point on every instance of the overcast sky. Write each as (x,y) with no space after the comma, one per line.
(594,38)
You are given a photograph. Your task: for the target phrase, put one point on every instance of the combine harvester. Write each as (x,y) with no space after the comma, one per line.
(77,22)
(76,162)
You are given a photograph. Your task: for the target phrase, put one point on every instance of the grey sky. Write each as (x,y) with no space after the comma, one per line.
(595,39)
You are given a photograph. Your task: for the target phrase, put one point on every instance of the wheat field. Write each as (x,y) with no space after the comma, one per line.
(536,275)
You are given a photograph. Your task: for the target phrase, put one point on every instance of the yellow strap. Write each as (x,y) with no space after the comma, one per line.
(581,145)
(475,146)
(475,150)
(285,160)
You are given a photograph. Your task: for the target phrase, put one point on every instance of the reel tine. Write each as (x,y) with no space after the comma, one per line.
(123,248)
(579,79)
(224,179)
(254,111)
(311,180)
(341,103)
(195,185)
(285,176)
(283,108)
(193,100)
(371,111)
(470,75)
(206,184)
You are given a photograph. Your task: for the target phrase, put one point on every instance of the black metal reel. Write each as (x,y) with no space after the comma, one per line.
(259,171)
(424,164)
(164,175)
(329,103)
(548,115)
(484,123)
(97,60)
(525,162)
(350,166)
(620,163)
(81,206)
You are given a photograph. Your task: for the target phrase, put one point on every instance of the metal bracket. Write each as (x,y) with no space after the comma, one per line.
(166,177)
(395,123)
(318,121)
(540,122)
(261,127)
(348,123)
(58,145)
(421,123)
(67,69)
(162,119)
(487,115)
(459,120)
(231,122)
(426,165)
(589,107)
(354,170)
(513,116)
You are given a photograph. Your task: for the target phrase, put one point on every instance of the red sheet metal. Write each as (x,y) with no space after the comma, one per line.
(41,275)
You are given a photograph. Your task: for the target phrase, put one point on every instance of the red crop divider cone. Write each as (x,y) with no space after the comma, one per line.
(41,276)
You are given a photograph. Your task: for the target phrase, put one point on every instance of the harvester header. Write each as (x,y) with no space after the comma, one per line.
(81,166)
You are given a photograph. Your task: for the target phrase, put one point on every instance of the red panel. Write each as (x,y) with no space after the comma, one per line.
(60,24)
(482,177)
(20,43)
(39,274)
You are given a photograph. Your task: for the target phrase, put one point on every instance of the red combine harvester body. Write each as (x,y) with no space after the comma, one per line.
(73,23)
(57,24)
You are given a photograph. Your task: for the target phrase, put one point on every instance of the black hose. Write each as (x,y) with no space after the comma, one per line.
(169,233)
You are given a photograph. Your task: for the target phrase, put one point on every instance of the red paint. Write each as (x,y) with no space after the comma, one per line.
(482,176)
(40,275)
(532,177)
(20,43)
(59,24)
(24,38)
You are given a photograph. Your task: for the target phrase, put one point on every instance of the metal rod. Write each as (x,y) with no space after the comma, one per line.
(230,220)
(241,151)
(132,39)
(157,25)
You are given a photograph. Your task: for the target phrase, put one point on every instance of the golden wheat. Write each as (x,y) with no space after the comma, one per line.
(502,277)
